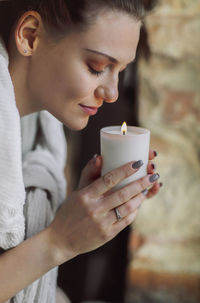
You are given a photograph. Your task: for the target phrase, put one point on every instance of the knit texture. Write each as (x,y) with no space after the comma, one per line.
(33,185)
(44,157)
(12,191)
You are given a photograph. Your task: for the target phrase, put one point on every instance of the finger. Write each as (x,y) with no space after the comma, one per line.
(126,193)
(151,167)
(120,225)
(154,190)
(152,154)
(112,178)
(127,208)
(91,171)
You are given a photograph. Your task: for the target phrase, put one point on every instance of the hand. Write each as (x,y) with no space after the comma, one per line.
(87,219)
(92,171)
(151,170)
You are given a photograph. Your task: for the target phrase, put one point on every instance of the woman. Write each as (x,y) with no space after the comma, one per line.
(64,58)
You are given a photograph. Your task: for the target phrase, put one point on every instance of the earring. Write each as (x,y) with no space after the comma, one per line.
(25,51)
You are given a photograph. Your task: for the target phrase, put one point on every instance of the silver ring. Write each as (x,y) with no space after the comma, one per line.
(117,213)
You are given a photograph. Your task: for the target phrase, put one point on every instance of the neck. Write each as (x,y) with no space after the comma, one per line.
(18,68)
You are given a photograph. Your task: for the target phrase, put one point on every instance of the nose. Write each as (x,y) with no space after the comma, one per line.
(108,92)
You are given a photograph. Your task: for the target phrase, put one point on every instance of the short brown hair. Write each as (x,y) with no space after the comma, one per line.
(61,14)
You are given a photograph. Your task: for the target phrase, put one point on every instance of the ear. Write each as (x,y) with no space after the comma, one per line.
(27,33)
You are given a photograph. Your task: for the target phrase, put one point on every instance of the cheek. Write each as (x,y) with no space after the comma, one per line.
(79,84)
(58,80)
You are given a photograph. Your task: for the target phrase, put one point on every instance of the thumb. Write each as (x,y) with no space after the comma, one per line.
(91,171)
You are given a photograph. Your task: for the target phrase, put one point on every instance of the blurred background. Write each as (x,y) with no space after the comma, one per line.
(158,258)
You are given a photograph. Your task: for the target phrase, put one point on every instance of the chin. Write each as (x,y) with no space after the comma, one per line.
(76,125)
(73,122)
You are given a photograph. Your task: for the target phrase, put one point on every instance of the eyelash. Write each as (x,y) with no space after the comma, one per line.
(95,72)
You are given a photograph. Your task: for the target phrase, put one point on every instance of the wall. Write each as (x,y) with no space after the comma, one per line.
(165,244)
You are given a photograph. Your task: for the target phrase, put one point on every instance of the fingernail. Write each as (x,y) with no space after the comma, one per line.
(94,158)
(161,184)
(154,177)
(137,164)
(145,192)
(153,166)
(155,153)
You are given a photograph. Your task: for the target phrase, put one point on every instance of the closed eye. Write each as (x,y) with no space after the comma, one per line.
(94,71)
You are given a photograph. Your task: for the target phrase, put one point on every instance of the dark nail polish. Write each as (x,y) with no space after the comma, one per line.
(145,192)
(155,153)
(137,164)
(161,184)
(153,166)
(154,177)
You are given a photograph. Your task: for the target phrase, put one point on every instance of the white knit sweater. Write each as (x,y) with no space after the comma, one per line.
(12,191)
(32,183)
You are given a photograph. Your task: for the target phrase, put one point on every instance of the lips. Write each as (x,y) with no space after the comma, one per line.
(90,110)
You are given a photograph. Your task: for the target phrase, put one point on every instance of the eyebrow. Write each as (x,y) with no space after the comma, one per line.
(105,55)
(102,54)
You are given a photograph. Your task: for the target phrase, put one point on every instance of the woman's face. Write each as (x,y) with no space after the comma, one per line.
(73,77)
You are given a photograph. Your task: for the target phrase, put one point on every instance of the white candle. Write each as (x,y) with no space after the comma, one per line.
(118,149)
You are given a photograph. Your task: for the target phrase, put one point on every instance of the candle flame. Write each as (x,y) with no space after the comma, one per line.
(124,128)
